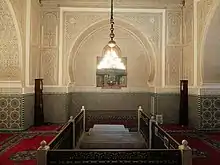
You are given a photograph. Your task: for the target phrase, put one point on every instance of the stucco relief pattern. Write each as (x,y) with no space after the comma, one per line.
(149,24)
(75,23)
(173,50)
(188,23)
(174,29)
(50,66)
(10,112)
(35,42)
(173,65)
(9,50)
(20,12)
(50,46)
(188,53)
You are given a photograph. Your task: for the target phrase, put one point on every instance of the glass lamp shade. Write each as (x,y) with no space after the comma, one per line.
(111,57)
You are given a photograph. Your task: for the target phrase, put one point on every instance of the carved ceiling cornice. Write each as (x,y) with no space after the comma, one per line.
(118,3)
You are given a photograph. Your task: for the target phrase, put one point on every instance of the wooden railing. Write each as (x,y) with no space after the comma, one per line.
(128,156)
(161,139)
(79,126)
(69,136)
(163,149)
(64,139)
(144,125)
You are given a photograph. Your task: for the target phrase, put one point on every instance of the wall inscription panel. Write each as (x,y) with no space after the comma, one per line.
(9,49)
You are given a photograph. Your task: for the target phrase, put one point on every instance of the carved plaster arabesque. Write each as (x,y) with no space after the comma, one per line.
(73,22)
(50,47)
(188,24)
(174,29)
(174,48)
(188,56)
(173,61)
(10,38)
(33,62)
(50,65)
(101,24)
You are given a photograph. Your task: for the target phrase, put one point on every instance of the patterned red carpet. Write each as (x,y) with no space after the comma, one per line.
(46,128)
(20,148)
(206,146)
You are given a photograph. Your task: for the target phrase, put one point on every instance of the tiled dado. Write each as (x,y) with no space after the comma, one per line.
(209,111)
(12,113)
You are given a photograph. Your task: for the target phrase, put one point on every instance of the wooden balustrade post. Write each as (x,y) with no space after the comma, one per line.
(152,120)
(74,133)
(139,117)
(42,153)
(84,118)
(186,153)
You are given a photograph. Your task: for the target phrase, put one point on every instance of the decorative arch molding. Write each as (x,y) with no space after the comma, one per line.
(18,42)
(214,7)
(147,45)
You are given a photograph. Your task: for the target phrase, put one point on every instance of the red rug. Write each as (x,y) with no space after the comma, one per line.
(175,128)
(22,149)
(53,127)
(214,136)
(198,144)
(4,136)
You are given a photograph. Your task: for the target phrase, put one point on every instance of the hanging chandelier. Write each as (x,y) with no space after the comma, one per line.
(111,53)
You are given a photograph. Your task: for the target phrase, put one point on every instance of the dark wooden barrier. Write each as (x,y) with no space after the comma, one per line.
(63,140)
(79,129)
(147,157)
(144,125)
(161,139)
(128,118)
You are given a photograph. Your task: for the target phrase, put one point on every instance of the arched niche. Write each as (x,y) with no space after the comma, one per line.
(210,49)
(90,43)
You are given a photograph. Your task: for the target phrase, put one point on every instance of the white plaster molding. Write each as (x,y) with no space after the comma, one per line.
(211,14)
(15,21)
(10,90)
(116,10)
(163,49)
(104,3)
(28,40)
(60,81)
(195,36)
(10,84)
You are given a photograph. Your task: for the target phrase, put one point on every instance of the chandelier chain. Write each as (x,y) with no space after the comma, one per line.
(112,35)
